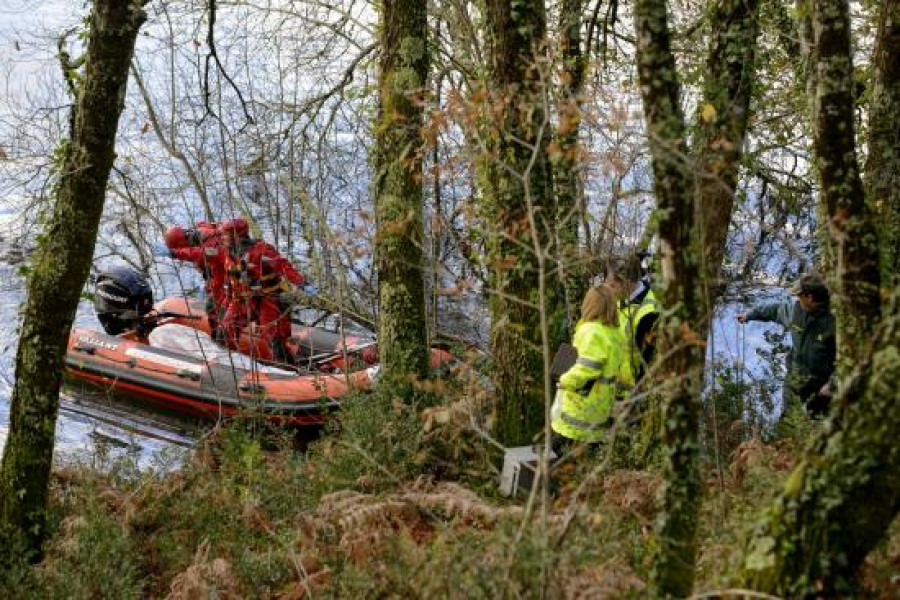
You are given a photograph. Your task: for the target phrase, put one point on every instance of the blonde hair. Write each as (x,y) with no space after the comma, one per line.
(599,304)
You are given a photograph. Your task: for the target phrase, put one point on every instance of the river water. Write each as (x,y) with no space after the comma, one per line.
(91,423)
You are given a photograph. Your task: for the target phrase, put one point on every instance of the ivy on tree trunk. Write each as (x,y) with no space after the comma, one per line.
(519,210)
(567,159)
(680,369)
(841,499)
(61,267)
(399,148)
(882,176)
(853,234)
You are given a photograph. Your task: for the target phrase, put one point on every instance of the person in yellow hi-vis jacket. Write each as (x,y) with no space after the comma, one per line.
(582,409)
(638,311)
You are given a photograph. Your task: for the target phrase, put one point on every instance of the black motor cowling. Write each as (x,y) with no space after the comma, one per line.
(122,297)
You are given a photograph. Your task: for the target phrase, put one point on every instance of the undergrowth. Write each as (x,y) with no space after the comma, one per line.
(400,501)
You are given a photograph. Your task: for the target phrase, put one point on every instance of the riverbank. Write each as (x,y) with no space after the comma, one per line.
(400,502)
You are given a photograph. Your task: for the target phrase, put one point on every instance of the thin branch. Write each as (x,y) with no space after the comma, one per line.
(214,55)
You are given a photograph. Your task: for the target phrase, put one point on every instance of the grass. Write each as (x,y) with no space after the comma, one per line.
(400,503)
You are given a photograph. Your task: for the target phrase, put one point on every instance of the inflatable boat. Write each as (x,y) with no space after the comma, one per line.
(163,354)
(212,386)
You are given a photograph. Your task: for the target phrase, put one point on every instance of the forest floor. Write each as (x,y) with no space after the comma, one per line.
(400,503)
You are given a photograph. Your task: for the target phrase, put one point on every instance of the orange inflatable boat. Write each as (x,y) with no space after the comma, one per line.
(212,387)
(164,355)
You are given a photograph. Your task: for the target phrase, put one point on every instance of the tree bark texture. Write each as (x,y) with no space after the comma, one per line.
(518,210)
(805,33)
(840,500)
(399,149)
(681,349)
(853,232)
(573,275)
(882,177)
(807,45)
(722,125)
(61,267)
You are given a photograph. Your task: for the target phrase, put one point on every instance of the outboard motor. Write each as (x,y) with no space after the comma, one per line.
(122,297)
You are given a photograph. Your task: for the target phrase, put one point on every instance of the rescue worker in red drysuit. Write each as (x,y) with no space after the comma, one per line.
(256,276)
(202,247)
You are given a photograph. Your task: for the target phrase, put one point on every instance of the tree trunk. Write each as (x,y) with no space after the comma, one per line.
(519,207)
(722,126)
(573,275)
(807,59)
(61,266)
(852,228)
(681,368)
(841,499)
(399,148)
(882,177)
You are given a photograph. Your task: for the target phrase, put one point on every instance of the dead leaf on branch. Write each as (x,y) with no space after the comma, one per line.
(708,114)
(689,335)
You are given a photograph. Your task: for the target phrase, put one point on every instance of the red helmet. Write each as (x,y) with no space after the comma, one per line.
(176,237)
(238,227)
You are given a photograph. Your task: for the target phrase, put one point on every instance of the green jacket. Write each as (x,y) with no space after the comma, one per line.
(810,362)
(587,391)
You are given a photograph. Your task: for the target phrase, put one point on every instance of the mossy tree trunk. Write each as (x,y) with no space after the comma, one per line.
(806,44)
(695,192)
(573,274)
(853,233)
(841,499)
(399,148)
(722,126)
(61,267)
(519,211)
(681,368)
(882,176)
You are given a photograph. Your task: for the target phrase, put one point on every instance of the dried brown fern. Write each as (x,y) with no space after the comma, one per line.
(349,511)
(205,579)
(608,581)
(632,491)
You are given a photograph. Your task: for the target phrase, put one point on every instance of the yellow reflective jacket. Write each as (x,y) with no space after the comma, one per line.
(630,317)
(586,392)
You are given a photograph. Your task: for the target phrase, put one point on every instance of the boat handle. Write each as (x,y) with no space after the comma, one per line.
(251,388)
(187,374)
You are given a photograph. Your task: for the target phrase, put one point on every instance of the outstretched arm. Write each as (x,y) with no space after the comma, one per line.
(773,312)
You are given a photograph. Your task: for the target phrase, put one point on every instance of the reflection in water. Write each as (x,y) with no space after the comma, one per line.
(90,422)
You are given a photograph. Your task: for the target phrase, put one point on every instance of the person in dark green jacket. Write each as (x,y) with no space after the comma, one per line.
(810,362)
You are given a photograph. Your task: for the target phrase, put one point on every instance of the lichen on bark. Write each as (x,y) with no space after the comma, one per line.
(518,215)
(61,267)
(882,176)
(679,372)
(842,497)
(399,200)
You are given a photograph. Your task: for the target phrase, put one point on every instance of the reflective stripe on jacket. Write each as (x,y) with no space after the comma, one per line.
(586,392)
